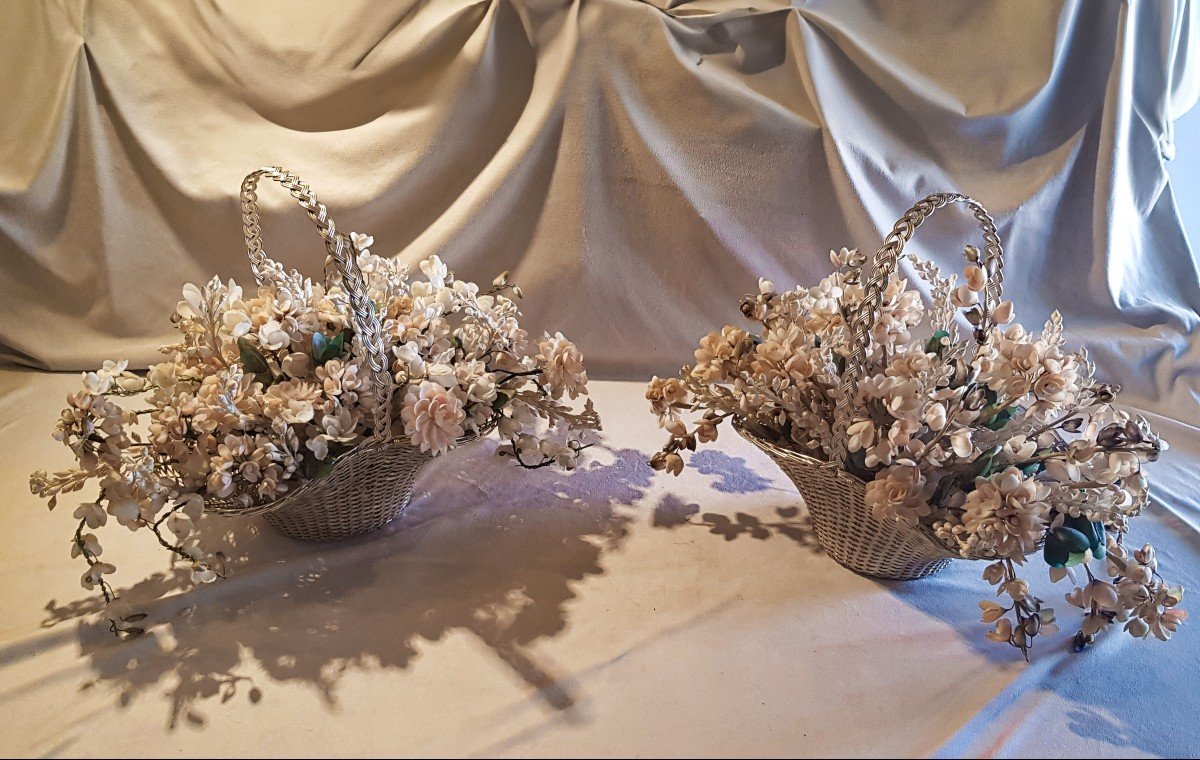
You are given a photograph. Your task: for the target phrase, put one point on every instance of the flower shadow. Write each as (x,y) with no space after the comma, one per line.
(731,475)
(1102,694)
(484,549)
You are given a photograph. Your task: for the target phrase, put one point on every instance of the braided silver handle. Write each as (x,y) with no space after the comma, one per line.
(859,323)
(343,260)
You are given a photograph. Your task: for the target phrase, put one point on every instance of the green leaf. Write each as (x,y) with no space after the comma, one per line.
(1055,554)
(317,468)
(1073,540)
(335,347)
(934,344)
(1076,558)
(324,349)
(987,463)
(1094,531)
(251,358)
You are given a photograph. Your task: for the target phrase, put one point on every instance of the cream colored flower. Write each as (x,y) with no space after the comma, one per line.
(960,443)
(860,435)
(663,393)
(273,337)
(935,416)
(964,296)
(716,348)
(1007,513)
(442,374)
(976,278)
(435,269)
(297,365)
(562,366)
(432,417)
(899,493)
(291,401)
(1003,313)
(478,385)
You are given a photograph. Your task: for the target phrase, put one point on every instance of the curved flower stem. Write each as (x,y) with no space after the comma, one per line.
(105,588)
(1048,427)
(1022,610)
(546,461)
(941,434)
(156,528)
(511,375)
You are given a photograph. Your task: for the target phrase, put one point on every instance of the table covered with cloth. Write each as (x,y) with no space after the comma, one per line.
(609,611)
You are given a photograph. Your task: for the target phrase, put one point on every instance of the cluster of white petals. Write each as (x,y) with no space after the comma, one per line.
(266,389)
(998,446)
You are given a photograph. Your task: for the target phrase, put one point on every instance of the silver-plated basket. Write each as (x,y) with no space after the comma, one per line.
(367,488)
(836,499)
(372,483)
(848,532)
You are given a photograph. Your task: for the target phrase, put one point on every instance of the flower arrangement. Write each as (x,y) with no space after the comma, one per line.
(265,390)
(996,447)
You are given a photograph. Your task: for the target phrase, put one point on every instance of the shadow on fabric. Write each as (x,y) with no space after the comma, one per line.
(496,552)
(731,475)
(1098,687)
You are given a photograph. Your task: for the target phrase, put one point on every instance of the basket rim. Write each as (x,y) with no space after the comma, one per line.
(341,463)
(774,449)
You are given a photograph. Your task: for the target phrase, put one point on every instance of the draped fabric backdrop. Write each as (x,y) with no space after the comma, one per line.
(637,166)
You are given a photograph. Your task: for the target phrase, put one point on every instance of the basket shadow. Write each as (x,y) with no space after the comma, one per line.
(484,549)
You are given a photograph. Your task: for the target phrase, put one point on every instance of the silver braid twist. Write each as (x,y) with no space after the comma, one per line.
(341,265)
(858,324)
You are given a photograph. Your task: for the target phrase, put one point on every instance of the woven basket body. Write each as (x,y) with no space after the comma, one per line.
(836,499)
(367,488)
(847,530)
(371,484)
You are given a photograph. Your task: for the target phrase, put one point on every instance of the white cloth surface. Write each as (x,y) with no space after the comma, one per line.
(637,165)
(612,611)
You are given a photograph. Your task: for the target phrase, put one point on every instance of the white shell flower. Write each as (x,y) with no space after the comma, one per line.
(432,417)
(1003,313)
(237,322)
(297,364)
(409,359)
(202,573)
(1019,448)
(272,336)
(562,366)
(935,416)
(860,435)
(964,296)
(95,574)
(960,443)
(898,493)
(92,514)
(1003,631)
(180,524)
(975,276)
(435,269)
(91,545)
(442,374)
